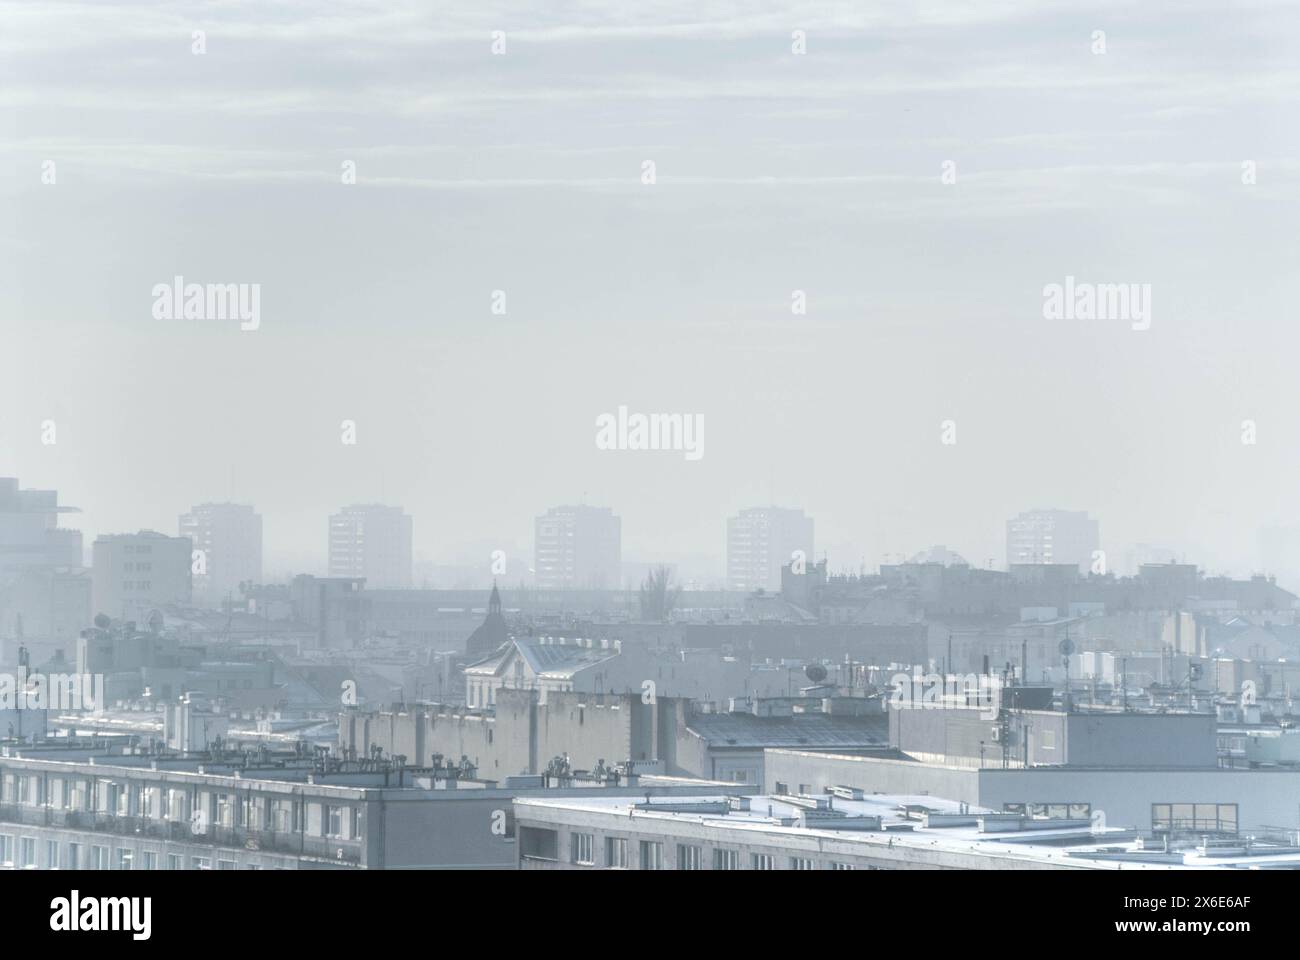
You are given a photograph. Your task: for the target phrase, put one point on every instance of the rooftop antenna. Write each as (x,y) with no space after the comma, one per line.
(1066,648)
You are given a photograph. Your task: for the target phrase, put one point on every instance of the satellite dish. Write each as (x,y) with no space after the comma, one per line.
(815,672)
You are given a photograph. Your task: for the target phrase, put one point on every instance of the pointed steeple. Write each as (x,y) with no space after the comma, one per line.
(494,601)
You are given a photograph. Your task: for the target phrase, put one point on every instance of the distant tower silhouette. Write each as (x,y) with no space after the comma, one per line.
(492,633)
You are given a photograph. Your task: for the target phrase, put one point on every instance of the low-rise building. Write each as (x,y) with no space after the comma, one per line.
(843,829)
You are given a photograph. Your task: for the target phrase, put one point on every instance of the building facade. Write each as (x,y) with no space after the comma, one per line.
(135,573)
(760,541)
(842,829)
(228,538)
(1053,537)
(44,589)
(371,542)
(73,807)
(578,548)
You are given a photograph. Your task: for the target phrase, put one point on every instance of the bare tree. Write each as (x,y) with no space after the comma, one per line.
(657,597)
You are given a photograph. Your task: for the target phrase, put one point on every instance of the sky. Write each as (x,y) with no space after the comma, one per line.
(920,172)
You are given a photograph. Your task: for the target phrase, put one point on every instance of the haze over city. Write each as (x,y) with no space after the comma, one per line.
(602,438)
(523,173)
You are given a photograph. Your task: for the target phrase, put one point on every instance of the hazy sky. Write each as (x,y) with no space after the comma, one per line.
(776,172)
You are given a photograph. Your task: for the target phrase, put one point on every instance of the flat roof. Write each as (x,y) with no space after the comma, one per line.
(1072,845)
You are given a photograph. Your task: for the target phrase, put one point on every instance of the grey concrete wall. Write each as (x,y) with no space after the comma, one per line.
(1081,739)
(522,735)
(877,852)
(1263,797)
(821,770)
(463,830)
(1141,740)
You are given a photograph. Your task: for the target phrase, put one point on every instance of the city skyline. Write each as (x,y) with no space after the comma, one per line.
(499,564)
(592,439)
(850,214)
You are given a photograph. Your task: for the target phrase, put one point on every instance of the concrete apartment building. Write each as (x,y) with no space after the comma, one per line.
(336,608)
(45,592)
(111,806)
(1158,773)
(578,548)
(1053,536)
(527,730)
(136,573)
(1175,800)
(30,535)
(228,538)
(1048,737)
(841,829)
(760,541)
(371,542)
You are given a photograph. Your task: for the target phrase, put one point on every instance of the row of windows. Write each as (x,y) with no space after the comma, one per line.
(582,851)
(75,794)
(21,853)
(1194,817)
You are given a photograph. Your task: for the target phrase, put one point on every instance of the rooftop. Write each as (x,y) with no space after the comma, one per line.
(798,730)
(928,825)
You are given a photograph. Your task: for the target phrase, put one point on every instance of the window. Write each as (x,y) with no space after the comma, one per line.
(652,855)
(226,865)
(802,863)
(840,865)
(178,805)
(27,850)
(582,848)
(282,816)
(174,861)
(200,863)
(1060,811)
(52,854)
(74,856)
(616,852)
(334,817)
(251,811)
(1048,740)
(98,858)
(762,861)
(538,844)
(148,861)
(688,857)
(124,859)
(726,859)
(1194,817)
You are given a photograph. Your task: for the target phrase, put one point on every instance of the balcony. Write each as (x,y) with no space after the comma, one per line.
(272,841)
